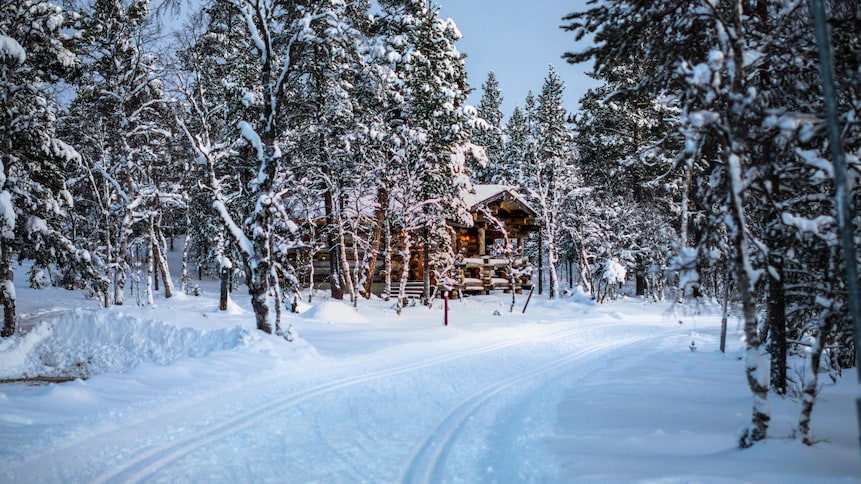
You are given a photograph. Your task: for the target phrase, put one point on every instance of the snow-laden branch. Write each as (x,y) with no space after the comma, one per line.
(125,196)
(242,240)
(10,49)
(249,11)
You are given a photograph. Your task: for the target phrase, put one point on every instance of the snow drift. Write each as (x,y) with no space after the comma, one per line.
(81,343)
(333,312)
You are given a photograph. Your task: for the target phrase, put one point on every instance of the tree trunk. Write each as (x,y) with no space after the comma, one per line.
(683,235)
(224,293)
(387,260)
(7,291)
(761,414)
(109,250)
(257,265)
(725,309)
(426,268)
(585,270)
(161,260)
(120,267)
(811,376)
(540,258)
(259,295)
(777,326)
(155,274)
(552,259)
(735,159)
(371,267)
(312,255)
(405,271)
(183,279)
(275,288)
(149,274)
(332,241)
(346,276)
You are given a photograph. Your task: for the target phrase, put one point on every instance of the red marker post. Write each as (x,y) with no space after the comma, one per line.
(445,298)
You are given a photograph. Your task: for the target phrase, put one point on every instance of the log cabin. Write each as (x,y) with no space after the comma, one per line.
(489,251)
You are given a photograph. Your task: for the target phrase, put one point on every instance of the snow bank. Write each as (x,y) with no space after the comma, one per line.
(334,312)
(83,343)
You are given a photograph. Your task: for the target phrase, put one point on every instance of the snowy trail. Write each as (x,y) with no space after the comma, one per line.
(159,438)
(147,464)
(428,462)
(572,392)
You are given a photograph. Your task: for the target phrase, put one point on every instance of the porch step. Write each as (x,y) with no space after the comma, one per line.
(413,290)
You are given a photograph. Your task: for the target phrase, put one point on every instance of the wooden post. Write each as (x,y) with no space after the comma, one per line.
(445,317)
(540,260)
(527,300)
(426,269)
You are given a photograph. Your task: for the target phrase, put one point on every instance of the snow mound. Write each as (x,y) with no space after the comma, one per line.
(334,312)
(83,343)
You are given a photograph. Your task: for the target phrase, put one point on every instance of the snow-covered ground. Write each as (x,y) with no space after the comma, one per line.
(570,391)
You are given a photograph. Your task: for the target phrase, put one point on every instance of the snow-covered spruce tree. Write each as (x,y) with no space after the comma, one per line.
(552,170)
(806,298)
(519,149)
(627,144)
(717,105)
(845,23)
(433,129)
(34,55)
(215,74)
(122,108)
(490,136)
(333,93)
(270,32)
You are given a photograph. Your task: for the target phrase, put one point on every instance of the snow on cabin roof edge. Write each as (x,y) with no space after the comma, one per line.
(366,205)
(487,193)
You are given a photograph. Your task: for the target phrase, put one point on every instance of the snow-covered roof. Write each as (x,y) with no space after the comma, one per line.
(484,194)
(366,205)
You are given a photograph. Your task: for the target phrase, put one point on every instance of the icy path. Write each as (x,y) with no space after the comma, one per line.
(460,409)
(568,392)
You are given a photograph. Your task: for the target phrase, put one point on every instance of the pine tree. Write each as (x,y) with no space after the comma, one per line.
(552,174)
(35,54)
(215,65)
(330,133)
(626,142)
(121,114)
(433,131)
(742,75)
(489,135)
(517,150)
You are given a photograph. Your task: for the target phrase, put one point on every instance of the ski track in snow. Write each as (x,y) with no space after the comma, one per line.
(427,464)
(147,464)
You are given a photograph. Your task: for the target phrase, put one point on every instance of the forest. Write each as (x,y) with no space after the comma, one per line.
(268,134)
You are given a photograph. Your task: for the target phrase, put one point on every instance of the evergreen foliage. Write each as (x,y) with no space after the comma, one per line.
(744,79)
(35,55)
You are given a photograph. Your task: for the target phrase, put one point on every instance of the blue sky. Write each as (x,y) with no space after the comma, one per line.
(518,40)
